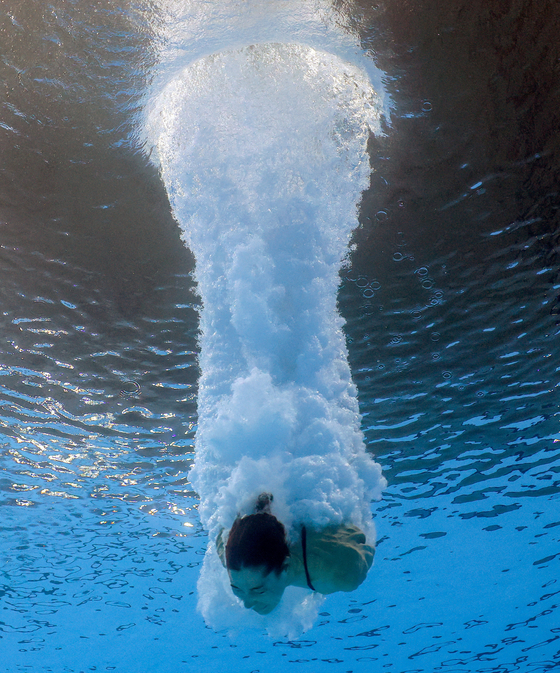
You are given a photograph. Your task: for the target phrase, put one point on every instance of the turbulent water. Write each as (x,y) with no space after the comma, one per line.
(450,301)
(263,153)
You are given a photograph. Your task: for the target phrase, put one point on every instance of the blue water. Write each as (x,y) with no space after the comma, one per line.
(450,302)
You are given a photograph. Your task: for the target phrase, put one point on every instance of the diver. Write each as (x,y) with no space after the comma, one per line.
(261,563)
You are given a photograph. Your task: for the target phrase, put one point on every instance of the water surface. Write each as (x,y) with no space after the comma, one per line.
(451,303)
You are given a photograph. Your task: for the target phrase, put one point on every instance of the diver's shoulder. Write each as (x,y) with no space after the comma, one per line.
(339,557)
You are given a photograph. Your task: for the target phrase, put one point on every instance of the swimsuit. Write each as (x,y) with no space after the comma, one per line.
(303,541)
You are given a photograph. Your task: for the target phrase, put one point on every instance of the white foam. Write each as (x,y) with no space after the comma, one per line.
(263,153)
(184,31)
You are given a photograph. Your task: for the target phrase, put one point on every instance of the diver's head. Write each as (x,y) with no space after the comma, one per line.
(257,556)
(258,590)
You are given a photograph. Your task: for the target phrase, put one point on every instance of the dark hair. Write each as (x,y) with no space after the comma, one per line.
(257,540)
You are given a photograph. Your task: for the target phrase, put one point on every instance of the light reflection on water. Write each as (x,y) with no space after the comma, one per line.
(96,409)
(451,303)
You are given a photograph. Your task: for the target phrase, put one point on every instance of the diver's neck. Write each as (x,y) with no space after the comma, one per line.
(296,569)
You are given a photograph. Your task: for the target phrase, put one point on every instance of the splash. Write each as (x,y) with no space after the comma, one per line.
(262,149)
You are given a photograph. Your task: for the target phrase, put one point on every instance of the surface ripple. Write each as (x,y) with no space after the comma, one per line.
(451,300)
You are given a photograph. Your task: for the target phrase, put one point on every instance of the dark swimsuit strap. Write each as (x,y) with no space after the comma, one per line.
(304,546)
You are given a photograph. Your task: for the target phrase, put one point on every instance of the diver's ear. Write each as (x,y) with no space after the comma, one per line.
(221,548)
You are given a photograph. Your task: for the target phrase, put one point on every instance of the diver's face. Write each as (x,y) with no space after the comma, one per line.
(258,591)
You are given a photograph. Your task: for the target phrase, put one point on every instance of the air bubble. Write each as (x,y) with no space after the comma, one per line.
(398,257)
(446,375)
(427,284)
(422,271)
(381,215)
(368,293)
(426,106)
(130,389)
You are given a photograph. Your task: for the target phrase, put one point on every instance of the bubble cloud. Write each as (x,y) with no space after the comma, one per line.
(262,149)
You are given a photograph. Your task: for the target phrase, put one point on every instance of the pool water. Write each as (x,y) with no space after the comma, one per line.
(451,307)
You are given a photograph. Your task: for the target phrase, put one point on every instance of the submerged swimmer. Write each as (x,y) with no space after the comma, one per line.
(261,563)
